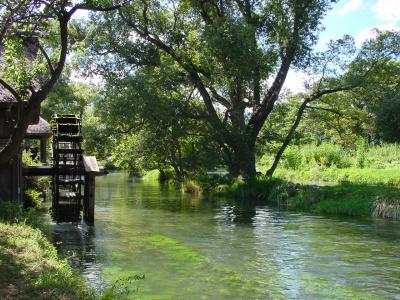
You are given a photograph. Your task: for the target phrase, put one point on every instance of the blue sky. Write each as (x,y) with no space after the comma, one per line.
(356,18)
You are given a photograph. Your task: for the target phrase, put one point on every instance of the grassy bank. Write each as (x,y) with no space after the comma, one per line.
(30,267)
(345,192)
(328,179)
(341,199)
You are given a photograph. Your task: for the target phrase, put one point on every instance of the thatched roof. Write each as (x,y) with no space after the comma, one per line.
(39,130)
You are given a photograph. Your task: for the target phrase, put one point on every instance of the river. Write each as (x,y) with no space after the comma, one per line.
(188,247)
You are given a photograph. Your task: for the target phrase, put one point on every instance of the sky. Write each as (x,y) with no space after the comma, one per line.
(356,18)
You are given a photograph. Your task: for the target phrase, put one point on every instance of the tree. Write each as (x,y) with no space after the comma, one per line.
(26,77)
(69,97)
(337,75)
(388,115)
(155,128)
(228,51)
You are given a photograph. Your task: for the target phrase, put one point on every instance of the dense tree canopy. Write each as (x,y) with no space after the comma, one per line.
(236,54)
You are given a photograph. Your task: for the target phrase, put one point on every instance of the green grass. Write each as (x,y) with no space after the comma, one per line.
(31,269)
(329,176)
(342,192)
(326,155)
(330,180)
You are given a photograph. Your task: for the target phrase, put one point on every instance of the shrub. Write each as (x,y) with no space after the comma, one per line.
(32,198)
(192,187)
(325,155)
(292,158)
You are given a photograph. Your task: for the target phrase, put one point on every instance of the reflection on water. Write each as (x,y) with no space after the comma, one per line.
(194,248)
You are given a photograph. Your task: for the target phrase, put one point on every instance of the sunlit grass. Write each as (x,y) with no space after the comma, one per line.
(30,267)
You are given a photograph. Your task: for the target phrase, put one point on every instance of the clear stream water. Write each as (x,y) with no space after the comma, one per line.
(193,248)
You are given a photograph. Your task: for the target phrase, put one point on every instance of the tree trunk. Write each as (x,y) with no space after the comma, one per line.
(288,138)
(243,160)
(18,134)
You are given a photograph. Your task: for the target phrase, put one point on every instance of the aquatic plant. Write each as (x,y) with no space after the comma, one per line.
(386,208)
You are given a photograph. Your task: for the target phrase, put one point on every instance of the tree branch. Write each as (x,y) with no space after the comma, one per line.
(221,100)
(188,66)
(95,8)
(50,65)
(326,109)
(303,106)
(11,90)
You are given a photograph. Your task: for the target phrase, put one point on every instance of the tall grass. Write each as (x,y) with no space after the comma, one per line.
(329,155)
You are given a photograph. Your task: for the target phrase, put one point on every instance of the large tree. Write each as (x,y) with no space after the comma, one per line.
(29,76)
(236,54)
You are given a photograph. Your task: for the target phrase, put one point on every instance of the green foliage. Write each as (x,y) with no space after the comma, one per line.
(11,213)
(150,126)
(252,189)
(32,198)
(334,175)
(98,139)
(34,187)
(325,155)
(387,116)
(330,160)
(292,158)
(27,159)
(69,98)
(191,186)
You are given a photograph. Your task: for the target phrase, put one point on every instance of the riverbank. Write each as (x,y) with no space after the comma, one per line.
(341,192)
(30,266)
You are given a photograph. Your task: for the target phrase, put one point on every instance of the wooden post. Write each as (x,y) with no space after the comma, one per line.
(91,170)
(43,148)
(89,197)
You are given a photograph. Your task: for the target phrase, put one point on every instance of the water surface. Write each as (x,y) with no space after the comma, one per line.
(193,248)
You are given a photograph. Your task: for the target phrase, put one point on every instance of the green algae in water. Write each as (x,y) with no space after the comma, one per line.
(236,285)
(176,250)
(330,290)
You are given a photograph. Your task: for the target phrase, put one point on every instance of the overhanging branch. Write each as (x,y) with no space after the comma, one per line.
(11,90)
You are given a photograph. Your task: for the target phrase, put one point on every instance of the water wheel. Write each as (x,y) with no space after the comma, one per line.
(67,168)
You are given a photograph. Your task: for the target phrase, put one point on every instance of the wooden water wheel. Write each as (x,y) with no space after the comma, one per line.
(67,178)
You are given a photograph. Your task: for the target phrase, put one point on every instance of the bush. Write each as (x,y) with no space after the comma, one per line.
(325,155)
(255,188)
(292,158)
(192,187)
(32,198)
(383,156)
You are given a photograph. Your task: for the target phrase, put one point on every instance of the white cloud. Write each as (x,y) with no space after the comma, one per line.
(387,10)
(370,32)
(295,81)
(350,6)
